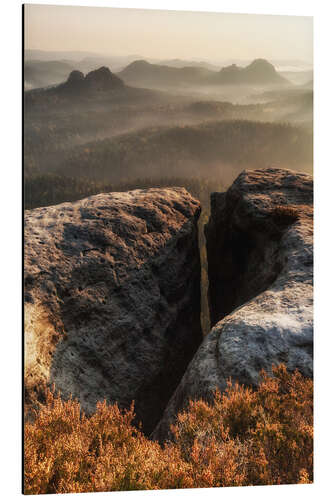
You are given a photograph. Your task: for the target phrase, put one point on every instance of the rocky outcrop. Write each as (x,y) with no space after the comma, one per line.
(258,72)
(260,262)
(102,80)
(112,298)
(75,78)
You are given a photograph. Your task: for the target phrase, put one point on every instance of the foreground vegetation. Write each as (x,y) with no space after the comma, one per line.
(245,437)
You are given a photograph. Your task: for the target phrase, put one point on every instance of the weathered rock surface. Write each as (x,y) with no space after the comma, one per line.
(112,298)
(260,260)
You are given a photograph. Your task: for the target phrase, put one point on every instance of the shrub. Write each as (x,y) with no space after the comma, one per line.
(265,434)
(65,451)
(245,437)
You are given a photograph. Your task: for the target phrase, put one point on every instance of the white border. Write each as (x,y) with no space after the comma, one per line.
(11,242)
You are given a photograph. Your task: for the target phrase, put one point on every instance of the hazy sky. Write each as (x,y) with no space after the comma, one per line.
(168,34)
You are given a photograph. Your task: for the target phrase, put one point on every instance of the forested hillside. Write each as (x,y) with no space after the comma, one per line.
(210,149)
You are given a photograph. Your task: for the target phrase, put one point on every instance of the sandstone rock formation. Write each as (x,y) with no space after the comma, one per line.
(260,261)
(100,79)
(103,79)
(112,298)
(75,78)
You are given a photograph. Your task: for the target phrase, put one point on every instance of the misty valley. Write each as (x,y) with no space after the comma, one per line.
(195,127)
(102,128)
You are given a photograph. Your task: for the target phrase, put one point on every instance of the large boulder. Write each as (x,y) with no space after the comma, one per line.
(112,298)
(260,266)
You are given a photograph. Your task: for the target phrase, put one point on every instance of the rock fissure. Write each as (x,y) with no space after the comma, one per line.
(112,292)
(259,251)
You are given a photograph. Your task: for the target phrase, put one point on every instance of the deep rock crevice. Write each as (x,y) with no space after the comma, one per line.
(243,256)
(112,294)
(259,249)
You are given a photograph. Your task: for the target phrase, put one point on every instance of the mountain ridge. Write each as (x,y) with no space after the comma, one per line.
(259,71)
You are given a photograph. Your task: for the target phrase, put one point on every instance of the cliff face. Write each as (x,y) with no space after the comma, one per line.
(261,229)
(112,298)
(260,260)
